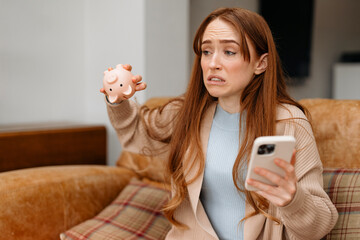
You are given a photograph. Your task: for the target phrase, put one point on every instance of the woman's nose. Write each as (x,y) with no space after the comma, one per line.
(215,62)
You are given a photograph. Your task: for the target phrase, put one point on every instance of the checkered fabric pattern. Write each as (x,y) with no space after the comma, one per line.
(343,188)
(134,214)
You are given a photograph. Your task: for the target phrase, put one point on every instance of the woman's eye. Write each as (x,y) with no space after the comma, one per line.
(205,52)
(229,53)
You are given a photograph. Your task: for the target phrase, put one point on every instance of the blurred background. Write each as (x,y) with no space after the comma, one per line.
(53,53)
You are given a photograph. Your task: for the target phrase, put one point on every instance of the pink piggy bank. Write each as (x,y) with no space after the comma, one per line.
(118,84)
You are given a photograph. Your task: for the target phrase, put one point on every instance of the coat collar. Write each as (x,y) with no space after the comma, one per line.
(195,187)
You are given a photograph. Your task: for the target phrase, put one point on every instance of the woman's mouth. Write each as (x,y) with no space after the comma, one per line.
(216,80)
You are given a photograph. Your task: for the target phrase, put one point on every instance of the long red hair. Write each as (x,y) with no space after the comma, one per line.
(259,100)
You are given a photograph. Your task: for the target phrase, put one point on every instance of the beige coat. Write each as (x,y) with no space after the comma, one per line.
(310,215)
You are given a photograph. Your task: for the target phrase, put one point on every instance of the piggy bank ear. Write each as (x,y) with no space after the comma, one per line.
(112,99)
(128,91)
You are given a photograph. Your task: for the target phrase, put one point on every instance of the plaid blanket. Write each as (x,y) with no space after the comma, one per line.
(343,188)
(134,214)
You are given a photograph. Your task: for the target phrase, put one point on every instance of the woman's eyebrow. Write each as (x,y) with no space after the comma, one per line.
(222,41)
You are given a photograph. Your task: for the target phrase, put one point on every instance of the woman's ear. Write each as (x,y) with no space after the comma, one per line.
(261,64)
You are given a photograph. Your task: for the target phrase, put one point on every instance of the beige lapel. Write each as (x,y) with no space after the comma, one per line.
(195,187)
(254,225)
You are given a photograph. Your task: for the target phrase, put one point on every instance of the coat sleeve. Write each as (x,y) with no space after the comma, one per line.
(133,123)
(311,214)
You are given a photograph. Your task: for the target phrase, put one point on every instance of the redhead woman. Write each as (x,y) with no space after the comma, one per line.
(236,93)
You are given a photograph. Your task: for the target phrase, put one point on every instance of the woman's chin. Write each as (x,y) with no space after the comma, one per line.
(215,93)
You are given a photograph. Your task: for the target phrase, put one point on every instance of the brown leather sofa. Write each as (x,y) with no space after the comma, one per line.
(40,203)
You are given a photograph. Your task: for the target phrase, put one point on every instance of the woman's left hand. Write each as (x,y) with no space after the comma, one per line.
(285,189)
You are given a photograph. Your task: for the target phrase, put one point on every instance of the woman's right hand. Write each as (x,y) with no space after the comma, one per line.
(137,79)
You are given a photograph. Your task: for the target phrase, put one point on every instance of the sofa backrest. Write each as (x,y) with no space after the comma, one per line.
(336,126)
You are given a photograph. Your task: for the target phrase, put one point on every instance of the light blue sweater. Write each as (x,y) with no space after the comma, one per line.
(222,202)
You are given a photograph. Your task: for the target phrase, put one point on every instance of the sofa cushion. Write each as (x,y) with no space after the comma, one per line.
(336,126)
(343,188)
(134,214)
(145,166)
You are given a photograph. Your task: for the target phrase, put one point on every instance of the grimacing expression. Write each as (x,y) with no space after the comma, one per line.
(225,71)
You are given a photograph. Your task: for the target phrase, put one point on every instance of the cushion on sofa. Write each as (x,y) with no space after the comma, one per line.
(336,126)
(134,214)
(145,166)
(343,188)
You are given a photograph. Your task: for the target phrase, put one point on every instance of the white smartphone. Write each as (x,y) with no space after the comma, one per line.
(263,153)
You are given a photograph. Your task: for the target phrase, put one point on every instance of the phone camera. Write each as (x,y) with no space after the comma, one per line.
(266,149)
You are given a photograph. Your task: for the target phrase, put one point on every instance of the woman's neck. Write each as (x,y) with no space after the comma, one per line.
(230,104)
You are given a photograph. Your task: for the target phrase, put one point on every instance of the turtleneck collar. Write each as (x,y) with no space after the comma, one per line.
(225,120)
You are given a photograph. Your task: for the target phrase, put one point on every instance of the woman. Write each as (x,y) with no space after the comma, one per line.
(236,93)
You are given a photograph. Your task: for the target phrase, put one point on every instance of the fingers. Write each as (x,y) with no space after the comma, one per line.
(285,187)
(278,200)
(136,79)
(127,67)
(141,86)
(289,168)
(275,194)
(102,90)
(287,182)
(283,184)
(272,177)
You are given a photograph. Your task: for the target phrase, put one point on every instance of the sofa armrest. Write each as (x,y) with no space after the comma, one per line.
(40,203)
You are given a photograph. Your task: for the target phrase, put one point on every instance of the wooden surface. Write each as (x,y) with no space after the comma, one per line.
(34,145)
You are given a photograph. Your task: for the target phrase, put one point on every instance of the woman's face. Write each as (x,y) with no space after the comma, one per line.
(225,71)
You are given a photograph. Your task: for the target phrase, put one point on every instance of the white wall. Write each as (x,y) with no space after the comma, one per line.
(114,32)
(346,81)
(41,61)
(167,34)
(53,54)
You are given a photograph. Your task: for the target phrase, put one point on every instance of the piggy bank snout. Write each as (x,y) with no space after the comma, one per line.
(111,77)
